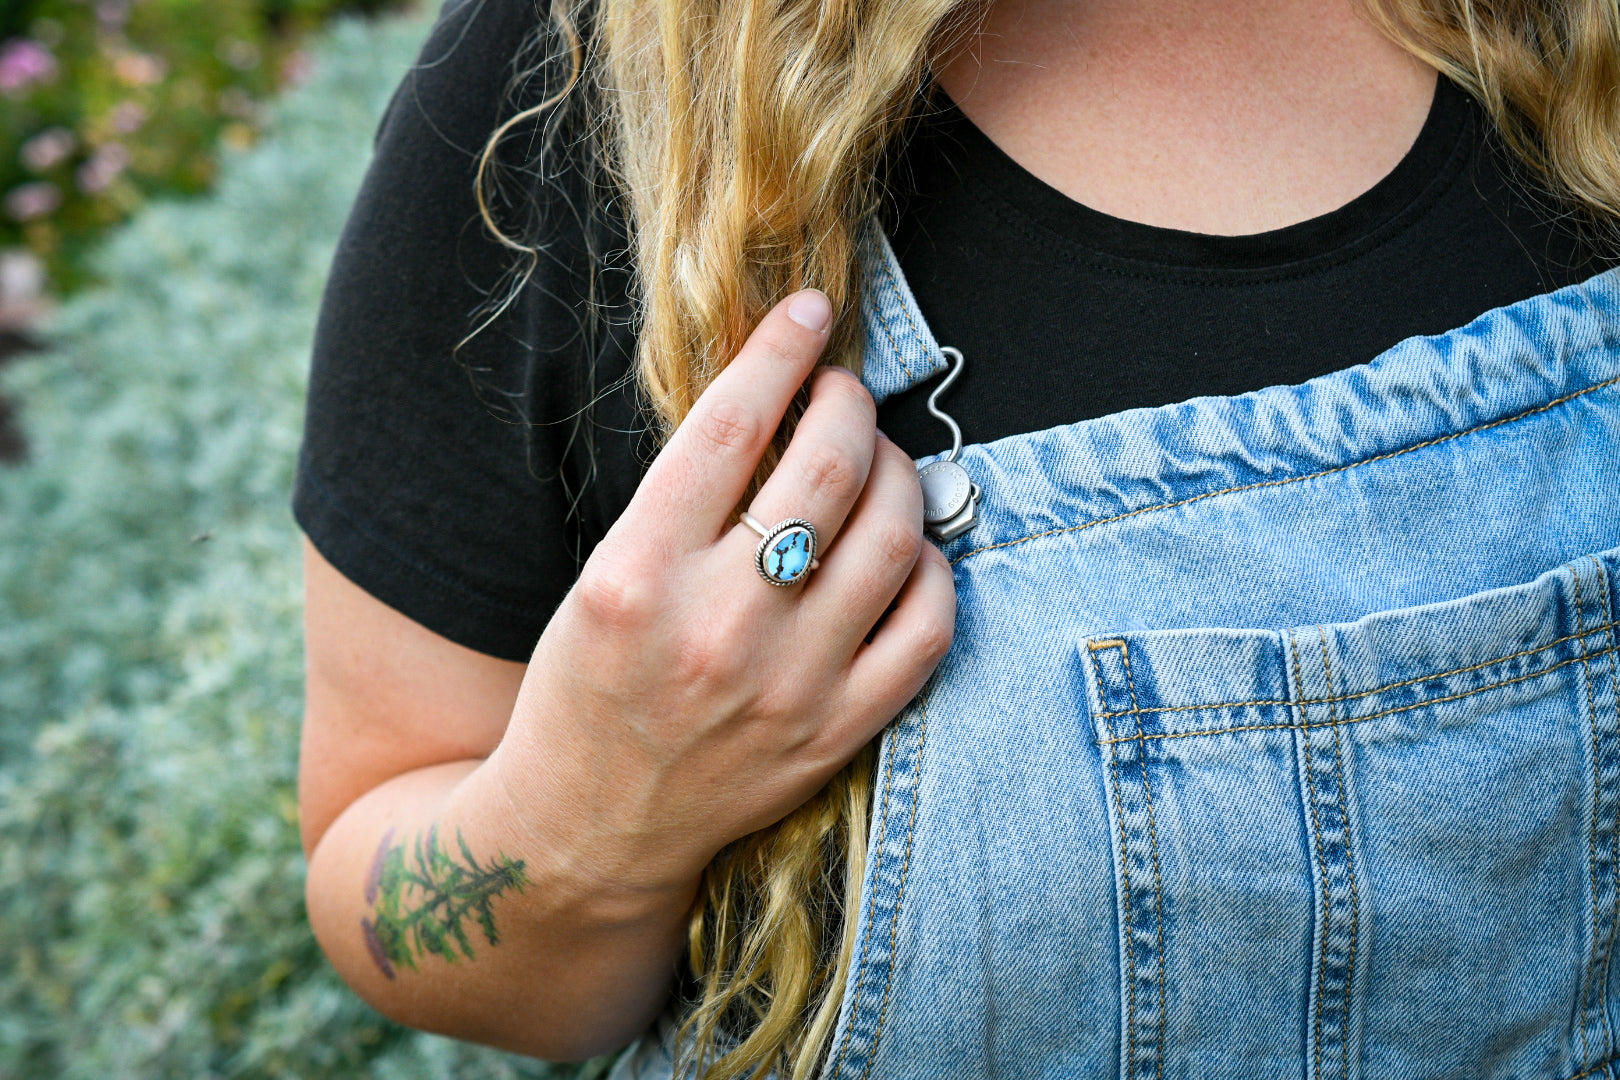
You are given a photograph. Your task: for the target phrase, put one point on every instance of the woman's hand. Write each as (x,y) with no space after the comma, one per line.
(676,700)
(675,703)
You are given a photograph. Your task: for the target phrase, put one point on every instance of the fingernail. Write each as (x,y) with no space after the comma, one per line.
(811,309)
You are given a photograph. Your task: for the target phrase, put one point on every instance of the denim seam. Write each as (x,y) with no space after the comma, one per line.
(900,894)
(1376,715)
(1291,479)
(871,905)
(1588,1072)
(1125,872)
(1153,847)
(905,309)
(883,321)
(1604,812)
(1614,680)
(1607,626)
(1321,866)
(1349,856)
(1591,835)
(887,263)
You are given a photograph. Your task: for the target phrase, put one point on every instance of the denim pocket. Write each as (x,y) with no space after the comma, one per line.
(1389,842)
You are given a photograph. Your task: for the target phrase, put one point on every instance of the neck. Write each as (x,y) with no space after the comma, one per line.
(1214,116)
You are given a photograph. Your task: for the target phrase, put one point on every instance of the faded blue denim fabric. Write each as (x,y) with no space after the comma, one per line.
(1280,736)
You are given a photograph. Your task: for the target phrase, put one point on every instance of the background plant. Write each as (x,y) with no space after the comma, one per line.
(151,885)
(105,103)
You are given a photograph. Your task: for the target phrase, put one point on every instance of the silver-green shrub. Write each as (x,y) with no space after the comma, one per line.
(151,886)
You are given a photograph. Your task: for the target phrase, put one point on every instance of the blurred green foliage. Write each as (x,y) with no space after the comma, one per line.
(104,103)
(151,885)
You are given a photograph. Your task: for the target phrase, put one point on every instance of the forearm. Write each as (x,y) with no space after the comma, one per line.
(575,968)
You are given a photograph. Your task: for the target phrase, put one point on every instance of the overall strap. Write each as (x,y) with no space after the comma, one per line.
(900,348)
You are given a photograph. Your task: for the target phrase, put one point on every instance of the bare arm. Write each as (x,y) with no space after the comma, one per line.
(399,722)
(508,853)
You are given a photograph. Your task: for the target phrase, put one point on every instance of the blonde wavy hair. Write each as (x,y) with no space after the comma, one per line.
(746,137)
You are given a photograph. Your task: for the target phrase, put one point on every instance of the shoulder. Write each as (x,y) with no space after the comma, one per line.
(456,89)
(450,437)
(416,249)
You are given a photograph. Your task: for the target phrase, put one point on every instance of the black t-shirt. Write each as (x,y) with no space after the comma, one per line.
(464,486)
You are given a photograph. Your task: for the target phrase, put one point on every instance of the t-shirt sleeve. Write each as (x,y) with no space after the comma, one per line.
(434,476)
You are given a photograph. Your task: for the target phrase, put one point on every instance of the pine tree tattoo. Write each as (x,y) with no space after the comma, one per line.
(423,907)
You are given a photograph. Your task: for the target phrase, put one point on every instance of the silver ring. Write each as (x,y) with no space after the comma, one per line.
(786,552)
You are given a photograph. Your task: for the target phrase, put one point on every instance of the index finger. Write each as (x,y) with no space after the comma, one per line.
(698,477)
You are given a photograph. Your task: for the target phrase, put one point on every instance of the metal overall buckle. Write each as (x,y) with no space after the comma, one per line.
(950,497)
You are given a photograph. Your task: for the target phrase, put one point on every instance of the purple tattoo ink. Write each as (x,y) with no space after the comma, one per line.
(375,947)
(374,878)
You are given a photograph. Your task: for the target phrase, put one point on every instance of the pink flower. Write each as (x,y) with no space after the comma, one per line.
(23,62)
(102,168)
(296,67)
(112,13)
(241,55)
(139,69)
(33,200)
(234,101)
(48,149)
(127,116)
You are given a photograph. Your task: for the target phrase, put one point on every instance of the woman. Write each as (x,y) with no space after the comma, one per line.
(1278,731)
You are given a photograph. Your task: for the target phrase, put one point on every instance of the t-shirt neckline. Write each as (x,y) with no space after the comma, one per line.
(1429,161)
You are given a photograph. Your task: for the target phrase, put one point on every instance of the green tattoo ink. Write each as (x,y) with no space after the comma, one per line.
(423,905)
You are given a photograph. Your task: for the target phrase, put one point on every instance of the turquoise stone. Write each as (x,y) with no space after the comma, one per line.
(789,556)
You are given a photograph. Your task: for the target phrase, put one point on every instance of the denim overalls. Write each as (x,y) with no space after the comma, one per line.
(1280,737)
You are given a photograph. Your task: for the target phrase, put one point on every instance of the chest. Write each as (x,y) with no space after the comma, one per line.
(1280,734)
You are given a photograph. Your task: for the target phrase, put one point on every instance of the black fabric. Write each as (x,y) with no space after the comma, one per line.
(464,486)
(1064,313)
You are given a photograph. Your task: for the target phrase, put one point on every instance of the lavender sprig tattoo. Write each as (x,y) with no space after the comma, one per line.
(422,905)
